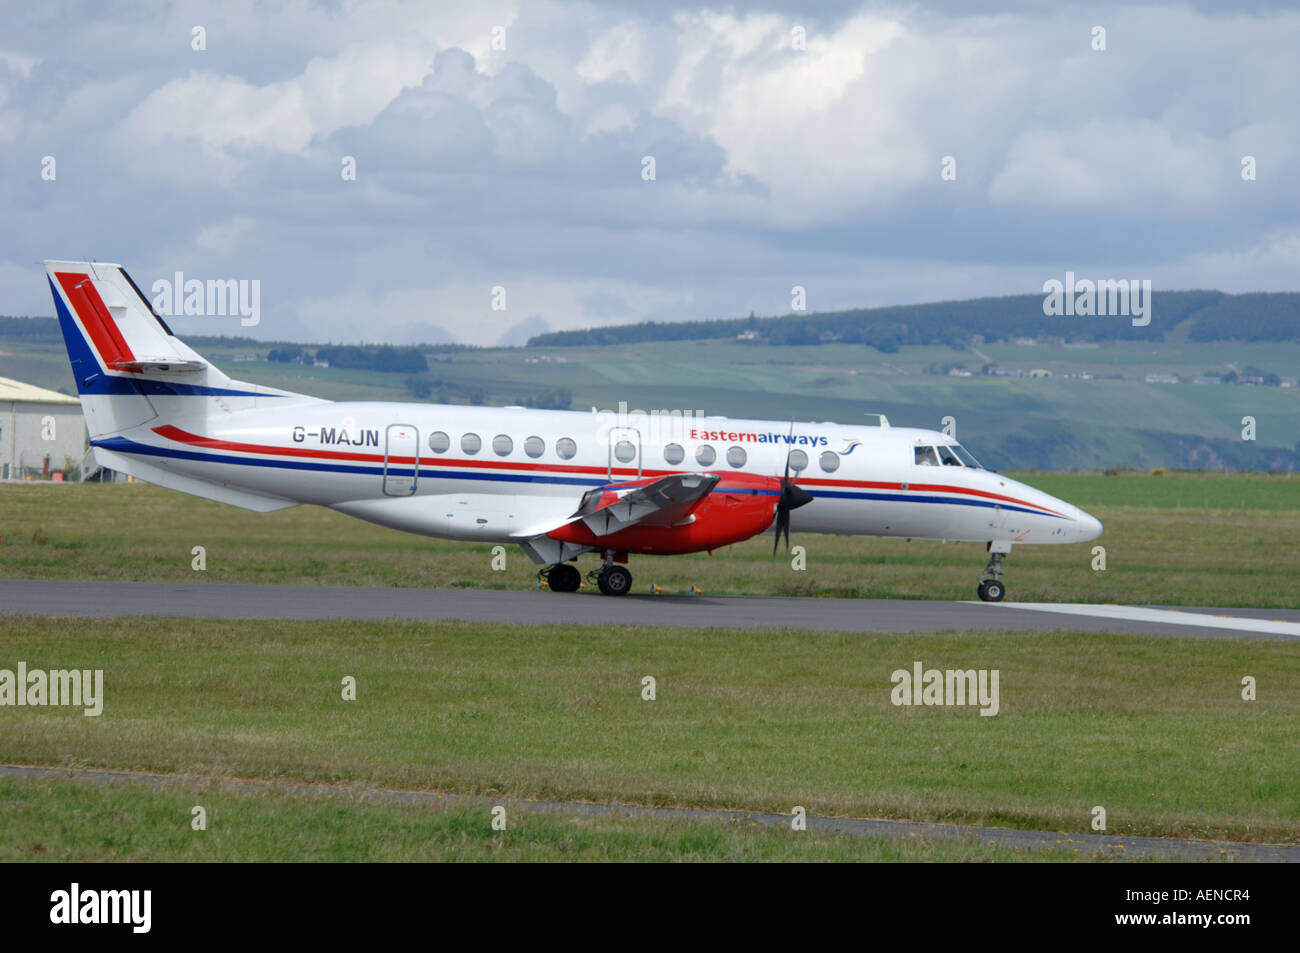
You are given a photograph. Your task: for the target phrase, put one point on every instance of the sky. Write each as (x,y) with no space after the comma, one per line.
(869,153)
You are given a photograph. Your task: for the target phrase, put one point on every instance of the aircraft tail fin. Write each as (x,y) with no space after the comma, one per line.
(129,367)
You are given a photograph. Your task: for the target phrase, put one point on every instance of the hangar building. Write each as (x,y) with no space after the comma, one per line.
(41,431)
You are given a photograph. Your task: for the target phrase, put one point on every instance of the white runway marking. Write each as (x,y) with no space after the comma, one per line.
(1163,616)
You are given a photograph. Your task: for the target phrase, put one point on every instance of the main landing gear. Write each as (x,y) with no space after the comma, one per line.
(612,578)
(562,577)
(991,588)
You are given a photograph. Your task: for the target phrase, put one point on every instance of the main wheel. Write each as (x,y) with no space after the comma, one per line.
(992,591)
(614,581)
(564,578)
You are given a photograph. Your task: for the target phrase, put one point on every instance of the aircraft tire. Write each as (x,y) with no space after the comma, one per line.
(614,581)
(564,578)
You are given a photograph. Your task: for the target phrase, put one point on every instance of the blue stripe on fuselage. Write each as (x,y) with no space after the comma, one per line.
(124,445)
(914,498)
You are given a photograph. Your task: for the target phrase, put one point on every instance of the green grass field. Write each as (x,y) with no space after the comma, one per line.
(1153,729)
(69,821)
(1201,540)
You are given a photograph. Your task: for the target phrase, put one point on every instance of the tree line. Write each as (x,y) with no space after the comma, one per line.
(1215,316)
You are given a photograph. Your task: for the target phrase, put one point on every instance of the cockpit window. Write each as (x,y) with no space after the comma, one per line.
(949,455)
(966,456)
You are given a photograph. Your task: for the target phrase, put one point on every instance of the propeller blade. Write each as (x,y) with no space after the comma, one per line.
(792,497)
(789,441)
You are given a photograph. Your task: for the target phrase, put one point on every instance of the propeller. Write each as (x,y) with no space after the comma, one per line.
(792,497)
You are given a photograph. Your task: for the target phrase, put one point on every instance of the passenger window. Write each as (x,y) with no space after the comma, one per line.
(798,460)
(829,461)
(624,451)
(502,445)
(948,457)
(925,457)
(736,457)
(705,455)
(534,446)
(674,454)
(565,448)
(471,443)
(439,442)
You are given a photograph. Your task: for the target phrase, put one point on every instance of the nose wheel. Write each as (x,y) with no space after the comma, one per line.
(991,588)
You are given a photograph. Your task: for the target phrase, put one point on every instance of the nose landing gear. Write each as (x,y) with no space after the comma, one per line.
(991,588)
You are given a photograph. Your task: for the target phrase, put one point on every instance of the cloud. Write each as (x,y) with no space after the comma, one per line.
(519,334)
(225,237)
(522,166)
(602,305)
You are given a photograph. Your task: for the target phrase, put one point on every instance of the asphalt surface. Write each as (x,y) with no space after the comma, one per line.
(55,598)
(1114,847)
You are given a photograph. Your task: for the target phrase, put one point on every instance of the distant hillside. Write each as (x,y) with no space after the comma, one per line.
(1211,316)
(1043,403)
(1214,316)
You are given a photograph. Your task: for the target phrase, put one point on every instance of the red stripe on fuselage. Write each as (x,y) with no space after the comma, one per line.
(211,443)
(926,488)
(95,318)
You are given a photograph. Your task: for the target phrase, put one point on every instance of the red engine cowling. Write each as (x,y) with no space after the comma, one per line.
(740,506)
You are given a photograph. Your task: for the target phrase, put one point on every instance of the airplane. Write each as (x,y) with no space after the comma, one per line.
(559,484)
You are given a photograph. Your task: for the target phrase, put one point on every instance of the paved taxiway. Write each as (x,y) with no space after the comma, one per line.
(1113,846)
(531,607)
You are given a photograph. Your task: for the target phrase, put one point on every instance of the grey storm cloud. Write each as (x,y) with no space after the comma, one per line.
(480,167)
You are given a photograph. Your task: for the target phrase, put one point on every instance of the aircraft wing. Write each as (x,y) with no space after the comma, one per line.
(665,501)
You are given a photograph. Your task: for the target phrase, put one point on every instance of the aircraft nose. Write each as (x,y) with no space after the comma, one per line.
(1089,526)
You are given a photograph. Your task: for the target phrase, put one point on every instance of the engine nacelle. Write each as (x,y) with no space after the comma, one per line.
(740,506)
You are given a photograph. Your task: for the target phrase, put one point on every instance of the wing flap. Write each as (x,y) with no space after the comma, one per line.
(665,502)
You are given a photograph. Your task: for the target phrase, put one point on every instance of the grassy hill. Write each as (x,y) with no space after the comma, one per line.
(1204,315)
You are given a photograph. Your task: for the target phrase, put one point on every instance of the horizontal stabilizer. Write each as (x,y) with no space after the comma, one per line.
(143,365)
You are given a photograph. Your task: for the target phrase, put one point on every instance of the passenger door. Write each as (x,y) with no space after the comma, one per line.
(624,452)
(401,460)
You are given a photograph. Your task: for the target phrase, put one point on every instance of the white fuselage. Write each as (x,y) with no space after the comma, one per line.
(414,467)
